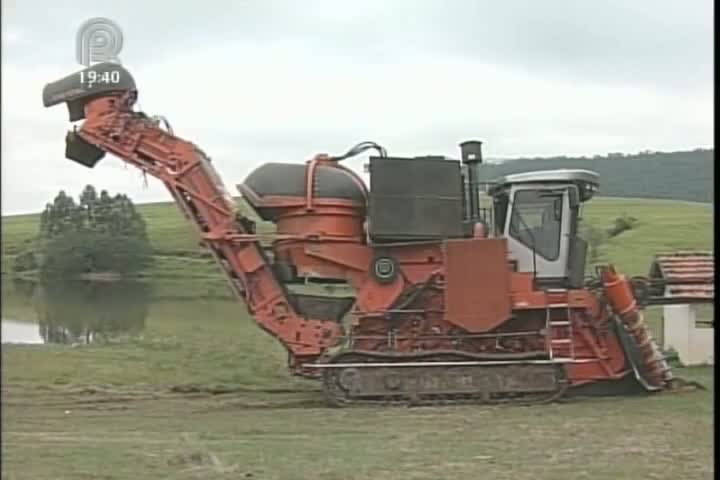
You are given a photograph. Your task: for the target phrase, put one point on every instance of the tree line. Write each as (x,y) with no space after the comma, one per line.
(98,233)
(687,175)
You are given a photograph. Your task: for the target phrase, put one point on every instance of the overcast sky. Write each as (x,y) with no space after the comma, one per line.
(270,80)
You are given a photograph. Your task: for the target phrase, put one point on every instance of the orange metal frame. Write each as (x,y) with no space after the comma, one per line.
(188,174)
(326,237)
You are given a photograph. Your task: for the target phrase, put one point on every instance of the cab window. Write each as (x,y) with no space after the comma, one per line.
(536,220)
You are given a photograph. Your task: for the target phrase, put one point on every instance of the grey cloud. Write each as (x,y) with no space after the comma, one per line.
(660,42)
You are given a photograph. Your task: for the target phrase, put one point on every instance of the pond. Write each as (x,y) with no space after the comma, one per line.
(201,314)
(72,312)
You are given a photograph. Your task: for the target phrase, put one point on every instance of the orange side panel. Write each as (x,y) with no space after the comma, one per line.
(477,277)
(521,282)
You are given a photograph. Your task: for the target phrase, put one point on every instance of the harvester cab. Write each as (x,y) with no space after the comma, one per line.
(538,214)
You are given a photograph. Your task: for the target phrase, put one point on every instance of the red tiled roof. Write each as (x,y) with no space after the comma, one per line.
(688,274)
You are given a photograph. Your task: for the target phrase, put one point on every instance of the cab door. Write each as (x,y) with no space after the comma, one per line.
(537,229)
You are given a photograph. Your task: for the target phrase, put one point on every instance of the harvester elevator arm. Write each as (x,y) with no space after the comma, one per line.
(111,126)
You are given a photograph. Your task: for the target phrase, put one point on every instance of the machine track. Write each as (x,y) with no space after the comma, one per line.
(434,379)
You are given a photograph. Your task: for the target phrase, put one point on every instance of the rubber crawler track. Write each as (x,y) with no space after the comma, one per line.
(337,396)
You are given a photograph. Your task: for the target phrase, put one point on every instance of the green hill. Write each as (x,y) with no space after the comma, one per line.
(684,175)
(663,225)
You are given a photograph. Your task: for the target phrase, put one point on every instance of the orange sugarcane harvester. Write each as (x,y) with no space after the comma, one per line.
(451,303)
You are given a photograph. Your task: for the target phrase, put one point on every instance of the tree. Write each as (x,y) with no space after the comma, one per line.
(103,208)
(99,233)
(88,199)
(102,213)
(60,217)
(77,253)
(124,219)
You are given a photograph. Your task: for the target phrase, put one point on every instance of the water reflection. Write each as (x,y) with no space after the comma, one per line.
(76,311)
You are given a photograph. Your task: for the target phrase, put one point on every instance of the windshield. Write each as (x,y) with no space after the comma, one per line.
(535,221)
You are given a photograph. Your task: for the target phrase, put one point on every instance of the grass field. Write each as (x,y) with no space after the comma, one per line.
(664,225)
(203,393)
(83,433)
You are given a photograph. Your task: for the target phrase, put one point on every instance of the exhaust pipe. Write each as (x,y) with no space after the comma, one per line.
(76,90)
(471,153)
